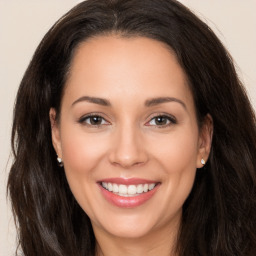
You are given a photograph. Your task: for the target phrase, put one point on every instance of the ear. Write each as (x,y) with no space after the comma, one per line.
(56,141)
(205,140)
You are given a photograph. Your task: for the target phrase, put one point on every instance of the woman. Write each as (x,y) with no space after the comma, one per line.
(133,135)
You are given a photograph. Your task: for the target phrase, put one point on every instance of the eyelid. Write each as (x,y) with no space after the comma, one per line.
(171,119)
(93,114)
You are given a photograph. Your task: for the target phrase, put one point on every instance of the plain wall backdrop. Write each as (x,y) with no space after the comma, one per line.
(23,23)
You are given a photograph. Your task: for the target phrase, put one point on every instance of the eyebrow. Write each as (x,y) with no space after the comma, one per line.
(99,101)
(160,100)
(148,103)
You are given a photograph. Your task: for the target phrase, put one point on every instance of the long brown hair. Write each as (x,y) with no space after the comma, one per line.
(219,216)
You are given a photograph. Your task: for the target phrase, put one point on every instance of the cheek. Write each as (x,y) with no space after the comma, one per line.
(177,156)
(178,151)
(81,152)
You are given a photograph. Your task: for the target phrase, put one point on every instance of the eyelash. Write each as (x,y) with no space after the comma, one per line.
(168,118)
(83,120)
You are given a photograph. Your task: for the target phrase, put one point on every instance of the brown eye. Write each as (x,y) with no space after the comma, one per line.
(162,120)
(93,120)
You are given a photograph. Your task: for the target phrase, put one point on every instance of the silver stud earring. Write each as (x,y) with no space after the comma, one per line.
(202,161)
(60,163)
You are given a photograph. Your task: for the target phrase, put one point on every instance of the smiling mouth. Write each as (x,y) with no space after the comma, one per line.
(128,193)
(128,190)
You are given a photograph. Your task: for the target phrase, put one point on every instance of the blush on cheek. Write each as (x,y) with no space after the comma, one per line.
(82,154)
(177,155)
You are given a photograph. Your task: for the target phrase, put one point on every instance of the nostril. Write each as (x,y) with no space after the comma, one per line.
(128,161)
(128,149)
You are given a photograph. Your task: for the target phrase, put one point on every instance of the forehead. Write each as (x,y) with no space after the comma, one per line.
(109,65)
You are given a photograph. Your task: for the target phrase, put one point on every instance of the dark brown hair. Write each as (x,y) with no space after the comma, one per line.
(219,216)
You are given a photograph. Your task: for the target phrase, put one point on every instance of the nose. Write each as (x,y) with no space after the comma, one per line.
(127,149)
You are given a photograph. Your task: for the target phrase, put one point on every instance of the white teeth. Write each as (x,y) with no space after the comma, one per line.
(151,186)
(122,189)
(130,190)
(139,189)
(145,188)
(105,185)
(115,188)
(110,187)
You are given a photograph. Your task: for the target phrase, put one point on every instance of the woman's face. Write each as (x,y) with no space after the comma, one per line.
(128,135)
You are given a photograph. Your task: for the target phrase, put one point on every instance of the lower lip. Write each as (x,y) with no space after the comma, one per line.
(128,202)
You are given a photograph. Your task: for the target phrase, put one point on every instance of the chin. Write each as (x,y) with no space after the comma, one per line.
(133,231)
(130,226)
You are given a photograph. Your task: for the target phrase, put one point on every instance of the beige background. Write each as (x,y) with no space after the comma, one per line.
(24,22)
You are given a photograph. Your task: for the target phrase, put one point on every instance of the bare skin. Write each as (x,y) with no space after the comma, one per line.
(127,112)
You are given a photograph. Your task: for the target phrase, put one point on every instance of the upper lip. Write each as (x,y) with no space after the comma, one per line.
(128,181)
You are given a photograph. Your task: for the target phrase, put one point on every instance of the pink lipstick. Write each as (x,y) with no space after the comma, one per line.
(128,193)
